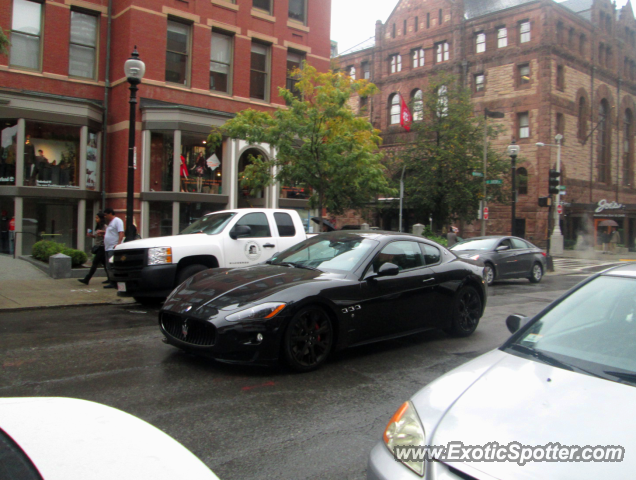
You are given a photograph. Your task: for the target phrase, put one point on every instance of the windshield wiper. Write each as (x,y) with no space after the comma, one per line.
(626,376)
(542,357)
(295,265)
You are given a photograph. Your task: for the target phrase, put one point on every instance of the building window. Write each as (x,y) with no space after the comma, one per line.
(418,57)
(559,33)
(442,101)
(26,29)
(416,25)
(177,52)
(351,72)
(571,37)
(404,28)
(628,148)
(608,57)
(298,10)
(428,20)
(601,54)
(364,106)
(582,40)
(259,72)
(480,42)
(83,44)
(502,37)
(8,147)
(441,20)
(604,142)
(524,125)
(522,181)
(560,126)
(524,74)
(524,32)
(394,109)
(295,62)
(396,63)
(221,63)
(582,117)
(366,72)
(442,52)
(479,82)
(560,77)
(265,5)
(418,105)
(632,70)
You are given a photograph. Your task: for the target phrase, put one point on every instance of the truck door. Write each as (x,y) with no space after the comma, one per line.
(287,232)
(254,248)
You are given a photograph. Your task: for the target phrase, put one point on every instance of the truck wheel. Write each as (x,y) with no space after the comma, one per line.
(149,301)
(187,272)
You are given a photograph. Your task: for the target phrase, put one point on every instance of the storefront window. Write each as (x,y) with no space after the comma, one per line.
(7,233)
(161,155)
(8,144)
(48,219)
(200,168)
(51,155)
(189,212)
(160,222)
(92,164)
(298,191)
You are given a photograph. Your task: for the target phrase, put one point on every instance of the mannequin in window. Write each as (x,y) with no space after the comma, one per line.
(200,168)
(183,173)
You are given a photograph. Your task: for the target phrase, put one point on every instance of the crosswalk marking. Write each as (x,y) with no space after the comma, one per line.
(579,265)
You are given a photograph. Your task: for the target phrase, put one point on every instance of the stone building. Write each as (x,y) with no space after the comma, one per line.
(64,111)
(552,68)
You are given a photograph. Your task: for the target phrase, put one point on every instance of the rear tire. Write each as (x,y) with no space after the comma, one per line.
(187,272)
(308,339)
(536,273)
(489,273)
(467,311)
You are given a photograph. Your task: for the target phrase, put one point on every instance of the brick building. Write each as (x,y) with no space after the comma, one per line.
(64,108)
(551,68)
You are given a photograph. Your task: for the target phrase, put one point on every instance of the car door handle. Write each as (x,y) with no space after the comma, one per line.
(428,280)
(268,245)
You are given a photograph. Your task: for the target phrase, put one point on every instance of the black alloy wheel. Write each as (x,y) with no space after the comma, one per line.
(466,312)
(308,339)
(536,274)
(489,273)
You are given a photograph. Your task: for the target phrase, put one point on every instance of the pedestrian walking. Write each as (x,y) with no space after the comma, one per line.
(99,253)
(451,237)
(114,236)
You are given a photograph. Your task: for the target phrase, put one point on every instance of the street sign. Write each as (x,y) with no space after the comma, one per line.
(494,182)
(478,174)
(485,213)
(560,209)
(562,192)
(561,187)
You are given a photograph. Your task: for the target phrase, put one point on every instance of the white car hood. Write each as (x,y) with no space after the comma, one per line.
(70,439)
(171,241)
(519,400)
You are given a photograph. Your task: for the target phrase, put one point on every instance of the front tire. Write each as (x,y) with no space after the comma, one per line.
(187,272)
(489,273)
(467,311)
(536,274)
(308,339)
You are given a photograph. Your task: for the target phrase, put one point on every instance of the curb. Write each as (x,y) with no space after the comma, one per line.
(76,305)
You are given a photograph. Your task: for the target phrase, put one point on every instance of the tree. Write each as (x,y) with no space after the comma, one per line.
(320,143)
(447,148)
(4,43)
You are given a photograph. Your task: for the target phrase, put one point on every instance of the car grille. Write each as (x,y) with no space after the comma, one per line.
(188,330)
(129,259)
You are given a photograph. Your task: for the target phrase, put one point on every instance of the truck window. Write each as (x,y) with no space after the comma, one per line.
(211,224)
(258,224)
(285,224)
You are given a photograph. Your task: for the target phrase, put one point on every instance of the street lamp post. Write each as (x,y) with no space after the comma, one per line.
(484,204)
(134,69)
(513,152)
(556,240)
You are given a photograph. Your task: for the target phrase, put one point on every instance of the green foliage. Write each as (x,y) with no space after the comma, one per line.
(428,233)
(320,142)
(447,148)
(4,43)
(43,249)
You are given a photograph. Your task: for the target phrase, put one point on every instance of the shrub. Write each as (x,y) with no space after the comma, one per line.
(43,249)
(428,233)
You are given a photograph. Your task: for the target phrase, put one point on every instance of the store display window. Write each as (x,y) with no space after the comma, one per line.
(201,168)
(8,148)
(51,155)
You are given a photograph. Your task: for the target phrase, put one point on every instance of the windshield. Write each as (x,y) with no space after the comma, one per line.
(593,329)
(477,244)
(327,253)
(210,224)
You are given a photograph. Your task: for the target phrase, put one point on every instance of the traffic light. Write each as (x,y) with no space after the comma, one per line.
(545,201)
(553,182)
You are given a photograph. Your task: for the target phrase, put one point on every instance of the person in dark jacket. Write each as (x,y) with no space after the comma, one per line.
(451,237)
(98,247)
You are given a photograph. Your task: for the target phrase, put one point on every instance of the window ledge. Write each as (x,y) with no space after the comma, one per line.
(224,4)
(298,25)
(263,15)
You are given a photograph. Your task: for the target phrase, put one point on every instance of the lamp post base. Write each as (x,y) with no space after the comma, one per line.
(556,244)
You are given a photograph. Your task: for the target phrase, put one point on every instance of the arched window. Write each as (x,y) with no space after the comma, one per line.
(628,147)
(604,142)
(522,181)
(394,109)
(418,105)
(582,119)
(442,101)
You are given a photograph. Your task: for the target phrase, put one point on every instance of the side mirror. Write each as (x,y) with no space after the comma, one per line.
(388,270)
(240,231)
(501,248)
(515,322)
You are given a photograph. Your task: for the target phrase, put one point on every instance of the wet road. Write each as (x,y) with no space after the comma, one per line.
(245,423)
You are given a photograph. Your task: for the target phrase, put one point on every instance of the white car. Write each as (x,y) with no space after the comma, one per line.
(561,390)
(54,438)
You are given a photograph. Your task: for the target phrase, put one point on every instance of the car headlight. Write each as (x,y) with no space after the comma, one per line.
(405,429)
(159,255)
(472,257)
(263,311)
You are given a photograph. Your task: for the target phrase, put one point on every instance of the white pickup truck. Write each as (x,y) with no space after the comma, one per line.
(149,269)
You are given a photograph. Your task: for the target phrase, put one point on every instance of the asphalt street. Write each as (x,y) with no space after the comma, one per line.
(244,422)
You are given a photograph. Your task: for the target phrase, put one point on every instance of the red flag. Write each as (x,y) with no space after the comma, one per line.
(405,115)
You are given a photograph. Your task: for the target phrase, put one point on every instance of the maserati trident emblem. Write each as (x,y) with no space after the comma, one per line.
(184,329)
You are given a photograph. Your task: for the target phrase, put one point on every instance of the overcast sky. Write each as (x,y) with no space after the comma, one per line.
(353,21)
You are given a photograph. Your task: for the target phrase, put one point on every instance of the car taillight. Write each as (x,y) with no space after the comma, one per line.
(544,254)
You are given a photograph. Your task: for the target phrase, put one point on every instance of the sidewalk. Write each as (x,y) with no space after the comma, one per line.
(23,286)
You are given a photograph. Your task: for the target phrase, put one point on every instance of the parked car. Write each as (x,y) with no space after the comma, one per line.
(69,439)
(329,292)
(149,269)
(566,377)
(504,257)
